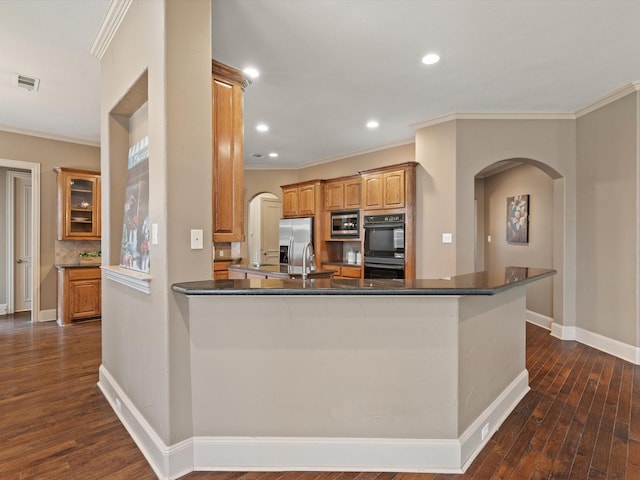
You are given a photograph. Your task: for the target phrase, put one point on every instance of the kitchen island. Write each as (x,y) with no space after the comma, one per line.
(280,271)
(351,375)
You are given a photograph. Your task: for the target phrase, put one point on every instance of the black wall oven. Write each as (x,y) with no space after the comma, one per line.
(384,246)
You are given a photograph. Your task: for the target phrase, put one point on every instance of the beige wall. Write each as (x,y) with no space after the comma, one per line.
(548,144)
(49,154)
(436,200)
(170,41)
(607,239)
(523,179)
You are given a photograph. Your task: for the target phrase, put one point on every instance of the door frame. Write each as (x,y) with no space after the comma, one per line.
(34,168)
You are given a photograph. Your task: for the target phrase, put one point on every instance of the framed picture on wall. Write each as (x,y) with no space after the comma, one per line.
(518,220)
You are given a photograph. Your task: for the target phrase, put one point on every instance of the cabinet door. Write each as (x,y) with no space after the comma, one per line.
(372,191)
(334,195)
(228,162)
(306,199)
(351,272)
(78,206)
(393,187)
(290,202)
(84,298)
(352,193)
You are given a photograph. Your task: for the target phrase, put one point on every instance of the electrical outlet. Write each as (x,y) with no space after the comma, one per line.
(485,431)
(447,238)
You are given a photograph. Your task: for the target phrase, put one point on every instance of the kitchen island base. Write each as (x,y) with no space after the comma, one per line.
(343,383)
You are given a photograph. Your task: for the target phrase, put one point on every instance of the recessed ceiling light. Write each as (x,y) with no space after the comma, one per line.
(251,72)
(273,155)
(431,59)
(372,124)
(262,127)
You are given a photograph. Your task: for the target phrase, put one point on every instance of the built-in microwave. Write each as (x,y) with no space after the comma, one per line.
(345,224)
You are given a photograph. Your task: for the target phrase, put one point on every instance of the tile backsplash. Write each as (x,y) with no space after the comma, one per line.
(67,251)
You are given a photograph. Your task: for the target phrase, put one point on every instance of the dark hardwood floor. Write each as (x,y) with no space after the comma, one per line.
(581,419)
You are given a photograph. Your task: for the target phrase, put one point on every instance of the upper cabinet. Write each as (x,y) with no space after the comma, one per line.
(228,144)
(302,199)
(383,190)
(78,204)
(343,193)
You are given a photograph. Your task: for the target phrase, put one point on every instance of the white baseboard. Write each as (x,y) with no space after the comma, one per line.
(47,315)
(622,350)
(539,319)
(310,454)
(168,463)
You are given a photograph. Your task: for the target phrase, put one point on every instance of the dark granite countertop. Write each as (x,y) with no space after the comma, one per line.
(479,283)
(280,269)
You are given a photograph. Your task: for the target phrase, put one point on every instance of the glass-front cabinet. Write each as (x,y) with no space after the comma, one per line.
(78,204)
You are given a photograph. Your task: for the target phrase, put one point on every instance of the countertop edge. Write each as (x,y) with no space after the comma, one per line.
(329,287)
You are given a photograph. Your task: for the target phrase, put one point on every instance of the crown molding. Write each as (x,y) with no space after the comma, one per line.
(612,97)
(58,138)
(112,20)
(400,143)
(495,116)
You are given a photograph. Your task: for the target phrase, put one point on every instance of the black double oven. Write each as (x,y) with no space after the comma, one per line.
(384,246)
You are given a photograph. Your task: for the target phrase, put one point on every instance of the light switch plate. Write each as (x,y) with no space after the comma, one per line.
(447,237)
(196,240)
(154,234)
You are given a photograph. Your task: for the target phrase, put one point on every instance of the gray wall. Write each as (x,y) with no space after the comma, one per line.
(607,239)
(49,154)
(524,179)
(145,337)
(3,237)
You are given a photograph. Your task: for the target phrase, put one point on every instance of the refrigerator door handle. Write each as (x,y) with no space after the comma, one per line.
(290,250)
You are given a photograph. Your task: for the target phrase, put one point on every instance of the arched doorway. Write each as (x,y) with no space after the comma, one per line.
(262,232)
(544,188)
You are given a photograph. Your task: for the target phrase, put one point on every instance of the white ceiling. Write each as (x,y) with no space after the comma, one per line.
(329,66)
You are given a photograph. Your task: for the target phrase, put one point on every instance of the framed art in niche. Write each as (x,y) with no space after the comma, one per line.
(518,220)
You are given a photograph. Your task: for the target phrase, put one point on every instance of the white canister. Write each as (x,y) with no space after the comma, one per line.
(358,258)
(351,256)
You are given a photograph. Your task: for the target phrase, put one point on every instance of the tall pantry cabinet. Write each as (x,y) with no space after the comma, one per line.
(227,89)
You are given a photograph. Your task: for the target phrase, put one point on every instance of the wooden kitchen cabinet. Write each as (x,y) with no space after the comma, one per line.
(228,160)
(79,293)
(383,190)
(302,199)
(343,271)
(78,194)
(343,193)
(221,269)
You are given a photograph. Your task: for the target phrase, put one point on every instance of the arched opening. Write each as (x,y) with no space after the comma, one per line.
(542,246)
(262,229)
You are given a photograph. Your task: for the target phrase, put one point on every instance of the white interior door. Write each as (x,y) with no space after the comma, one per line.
(22,244)
(269,230)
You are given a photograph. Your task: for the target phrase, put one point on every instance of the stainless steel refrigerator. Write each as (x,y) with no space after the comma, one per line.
(294,234)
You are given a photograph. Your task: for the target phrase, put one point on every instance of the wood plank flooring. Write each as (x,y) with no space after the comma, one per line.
(581,419)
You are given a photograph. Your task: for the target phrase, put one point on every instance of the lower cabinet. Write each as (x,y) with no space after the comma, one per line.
(220,269)
(343,271)
(79,293)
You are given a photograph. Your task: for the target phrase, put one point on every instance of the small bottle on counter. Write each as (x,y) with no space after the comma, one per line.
(351,257)
(358,258)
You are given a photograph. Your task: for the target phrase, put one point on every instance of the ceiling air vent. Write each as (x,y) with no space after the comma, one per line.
(28,83)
